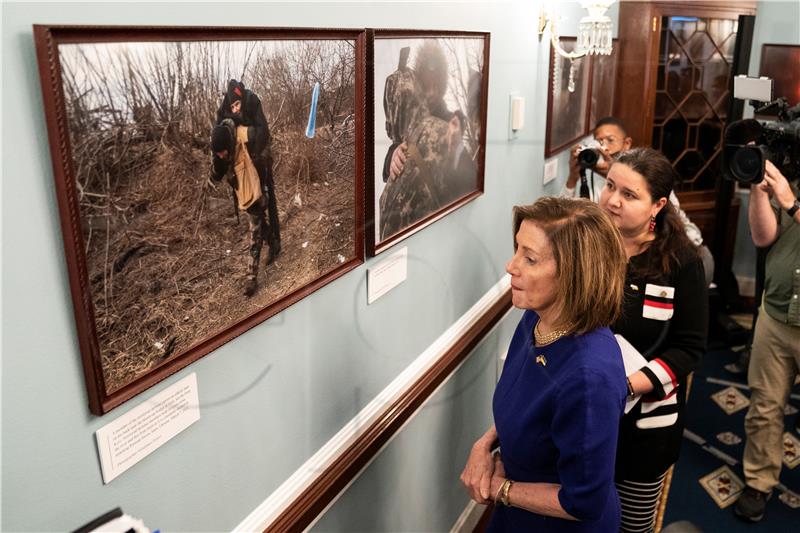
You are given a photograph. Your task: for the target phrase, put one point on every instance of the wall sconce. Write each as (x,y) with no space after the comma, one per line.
(594,36)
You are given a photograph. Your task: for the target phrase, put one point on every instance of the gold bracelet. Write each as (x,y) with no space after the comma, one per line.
(506,488)
(497,495)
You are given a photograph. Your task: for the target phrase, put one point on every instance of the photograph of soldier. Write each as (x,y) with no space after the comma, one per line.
(430,111)
(242,149)
(204,197)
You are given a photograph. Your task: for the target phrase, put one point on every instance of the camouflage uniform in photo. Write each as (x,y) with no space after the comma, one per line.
(418,190)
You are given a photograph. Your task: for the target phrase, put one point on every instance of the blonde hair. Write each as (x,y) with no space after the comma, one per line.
(590,260)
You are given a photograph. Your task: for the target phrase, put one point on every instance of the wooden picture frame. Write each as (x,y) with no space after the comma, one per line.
(428,94)
(567,112)
(159,260)
(781,62)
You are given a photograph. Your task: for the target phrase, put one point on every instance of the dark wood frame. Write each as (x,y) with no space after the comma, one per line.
(640,37)
(584,76)
(590,88)
(47,40)
(334,479)
(375,246)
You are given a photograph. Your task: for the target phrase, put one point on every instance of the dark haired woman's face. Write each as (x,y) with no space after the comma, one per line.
(626,197)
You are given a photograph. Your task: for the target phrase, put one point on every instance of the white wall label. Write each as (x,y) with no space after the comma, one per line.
(139,432)
(387,275)
(550,170)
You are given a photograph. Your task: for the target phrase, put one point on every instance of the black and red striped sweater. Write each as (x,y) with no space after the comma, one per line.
(665,317)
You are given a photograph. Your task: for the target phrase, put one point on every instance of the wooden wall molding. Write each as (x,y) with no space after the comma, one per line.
(303,497)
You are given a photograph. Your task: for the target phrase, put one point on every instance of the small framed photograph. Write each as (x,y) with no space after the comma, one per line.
(781,62)
(429,94)
(206,178)
(567,111)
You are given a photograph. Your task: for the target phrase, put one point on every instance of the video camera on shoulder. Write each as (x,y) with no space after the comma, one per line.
(749,142)
(589,154)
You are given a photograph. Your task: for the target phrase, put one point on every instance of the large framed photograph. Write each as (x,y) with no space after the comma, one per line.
(567,111)
(207,178)
(429,94)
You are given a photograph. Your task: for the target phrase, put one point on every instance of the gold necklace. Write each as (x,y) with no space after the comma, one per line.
(549,338)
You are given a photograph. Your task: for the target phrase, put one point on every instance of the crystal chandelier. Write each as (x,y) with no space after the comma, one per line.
(594,36)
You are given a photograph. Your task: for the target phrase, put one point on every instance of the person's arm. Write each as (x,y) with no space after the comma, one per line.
(477,473)
(539,498)
(395,160)
(574,173)
(686,339)
(257,129)
(584,429)
(760,214)
(219,167)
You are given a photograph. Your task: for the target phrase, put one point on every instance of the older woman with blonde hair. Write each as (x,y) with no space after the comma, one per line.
(562,392)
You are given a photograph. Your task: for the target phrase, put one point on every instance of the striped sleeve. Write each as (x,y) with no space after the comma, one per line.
(661,375)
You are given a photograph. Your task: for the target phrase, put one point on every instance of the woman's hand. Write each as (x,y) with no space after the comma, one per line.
(498,476)
(478,472)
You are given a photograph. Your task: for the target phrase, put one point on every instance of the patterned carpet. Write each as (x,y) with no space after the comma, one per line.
(708,477)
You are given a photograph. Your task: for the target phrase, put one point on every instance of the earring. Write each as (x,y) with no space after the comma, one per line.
(652,224)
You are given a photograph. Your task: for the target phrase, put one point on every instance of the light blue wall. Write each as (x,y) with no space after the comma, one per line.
(777,22)
(273,396)
(572,13)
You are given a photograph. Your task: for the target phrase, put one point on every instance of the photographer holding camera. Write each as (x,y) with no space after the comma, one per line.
(610,139)
(774,216)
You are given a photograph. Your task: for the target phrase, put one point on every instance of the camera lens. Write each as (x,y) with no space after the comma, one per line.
(587,158)
(747,165)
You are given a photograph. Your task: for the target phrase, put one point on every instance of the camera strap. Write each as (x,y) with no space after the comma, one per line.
(584,191)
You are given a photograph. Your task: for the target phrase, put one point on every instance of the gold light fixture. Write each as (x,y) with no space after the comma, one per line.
(594,36)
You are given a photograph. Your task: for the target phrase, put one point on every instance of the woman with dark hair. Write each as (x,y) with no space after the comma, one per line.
(664,316)
(559,400)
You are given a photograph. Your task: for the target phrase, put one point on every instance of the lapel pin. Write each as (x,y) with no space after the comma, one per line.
(540,360)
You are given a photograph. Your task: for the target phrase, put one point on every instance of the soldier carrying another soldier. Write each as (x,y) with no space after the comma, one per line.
(242,149)
(422,169)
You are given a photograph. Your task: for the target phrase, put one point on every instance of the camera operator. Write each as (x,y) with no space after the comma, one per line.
(774,216)
(612,138)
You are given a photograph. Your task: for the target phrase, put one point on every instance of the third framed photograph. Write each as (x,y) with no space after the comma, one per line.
(567,110)
(429,94)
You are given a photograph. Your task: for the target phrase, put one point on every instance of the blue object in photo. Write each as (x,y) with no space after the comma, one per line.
(312,113)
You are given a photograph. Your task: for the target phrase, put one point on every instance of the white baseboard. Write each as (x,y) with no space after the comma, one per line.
(266,513)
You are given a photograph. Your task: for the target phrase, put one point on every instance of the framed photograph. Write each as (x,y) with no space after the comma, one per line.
(429,94)
(603,88)
(567,111)
(781,62)
(207,178)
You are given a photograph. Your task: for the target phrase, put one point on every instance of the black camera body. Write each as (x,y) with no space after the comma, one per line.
(589,154)
(749,143)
